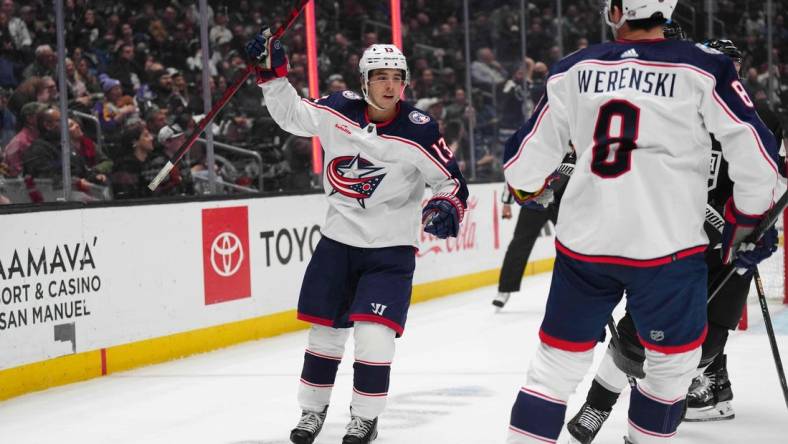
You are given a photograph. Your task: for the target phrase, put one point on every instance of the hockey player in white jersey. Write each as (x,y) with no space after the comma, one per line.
(379,153)
(638,112)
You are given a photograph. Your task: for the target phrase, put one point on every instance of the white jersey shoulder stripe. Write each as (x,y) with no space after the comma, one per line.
(432,159)
(332,111)
(543,113)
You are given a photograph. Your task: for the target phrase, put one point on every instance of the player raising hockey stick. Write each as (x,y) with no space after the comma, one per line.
(632,216)
(379,153)
(710,396)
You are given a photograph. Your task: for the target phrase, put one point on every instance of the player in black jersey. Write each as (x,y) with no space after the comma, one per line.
(710,394)
(533,216)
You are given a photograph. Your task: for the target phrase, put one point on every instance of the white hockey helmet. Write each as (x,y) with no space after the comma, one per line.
(639,10)
(381,56)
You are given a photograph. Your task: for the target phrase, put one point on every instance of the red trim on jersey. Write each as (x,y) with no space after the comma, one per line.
(675,349)
(542,396)
(424,151)
(315,319)
(371,395)
(618,260)
(377,320)
(332,111)
(528,137)
(320,355)
(565,345)
(374,364)
(657,398)
(305,382)
(385,122)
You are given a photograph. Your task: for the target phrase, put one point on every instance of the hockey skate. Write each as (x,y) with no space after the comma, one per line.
(501,299)
(586,424)
(710,395)
(360,430)
(308,427)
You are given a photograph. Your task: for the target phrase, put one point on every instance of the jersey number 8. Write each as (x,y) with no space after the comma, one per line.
(615,136)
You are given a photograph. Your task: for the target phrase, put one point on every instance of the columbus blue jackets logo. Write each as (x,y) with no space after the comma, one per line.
(350,95)
(418,118)
(354,177)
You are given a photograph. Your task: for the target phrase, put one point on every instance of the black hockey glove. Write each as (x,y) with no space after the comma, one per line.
(267,56)
(442,216)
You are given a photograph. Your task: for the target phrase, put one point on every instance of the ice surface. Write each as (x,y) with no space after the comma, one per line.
(456,373)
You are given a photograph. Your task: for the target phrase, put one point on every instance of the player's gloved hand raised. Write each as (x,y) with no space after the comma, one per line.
(442,216)
(737,227)
(267,56)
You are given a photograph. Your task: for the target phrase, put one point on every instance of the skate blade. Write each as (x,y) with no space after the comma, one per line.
(720,412)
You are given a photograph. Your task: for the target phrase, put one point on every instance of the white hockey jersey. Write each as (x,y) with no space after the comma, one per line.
(374,173)
(639,114)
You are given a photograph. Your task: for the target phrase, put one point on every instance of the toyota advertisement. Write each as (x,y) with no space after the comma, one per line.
(102,277)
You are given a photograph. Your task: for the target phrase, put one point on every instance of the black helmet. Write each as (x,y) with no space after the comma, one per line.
(673,31)
(726,47)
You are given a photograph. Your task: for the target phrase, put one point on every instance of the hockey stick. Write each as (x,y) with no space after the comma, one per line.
(766,223)
(228,94)
(714,218)
(616,340)
(767,320)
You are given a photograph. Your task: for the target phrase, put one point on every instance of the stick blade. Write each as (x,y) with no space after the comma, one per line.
(165,170)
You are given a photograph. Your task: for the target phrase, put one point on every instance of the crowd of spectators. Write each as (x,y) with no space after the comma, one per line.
(134,84)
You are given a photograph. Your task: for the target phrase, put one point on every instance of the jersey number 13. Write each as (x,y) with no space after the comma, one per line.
(615,136)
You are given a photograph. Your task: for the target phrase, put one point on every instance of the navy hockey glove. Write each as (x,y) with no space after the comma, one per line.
(442,216)
(737,227)
(751,254)
(267,56)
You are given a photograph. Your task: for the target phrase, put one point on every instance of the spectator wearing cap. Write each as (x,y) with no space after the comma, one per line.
(127,173)
(178,182)
(20,143)
(43,65)
(114,109)
(171,137)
